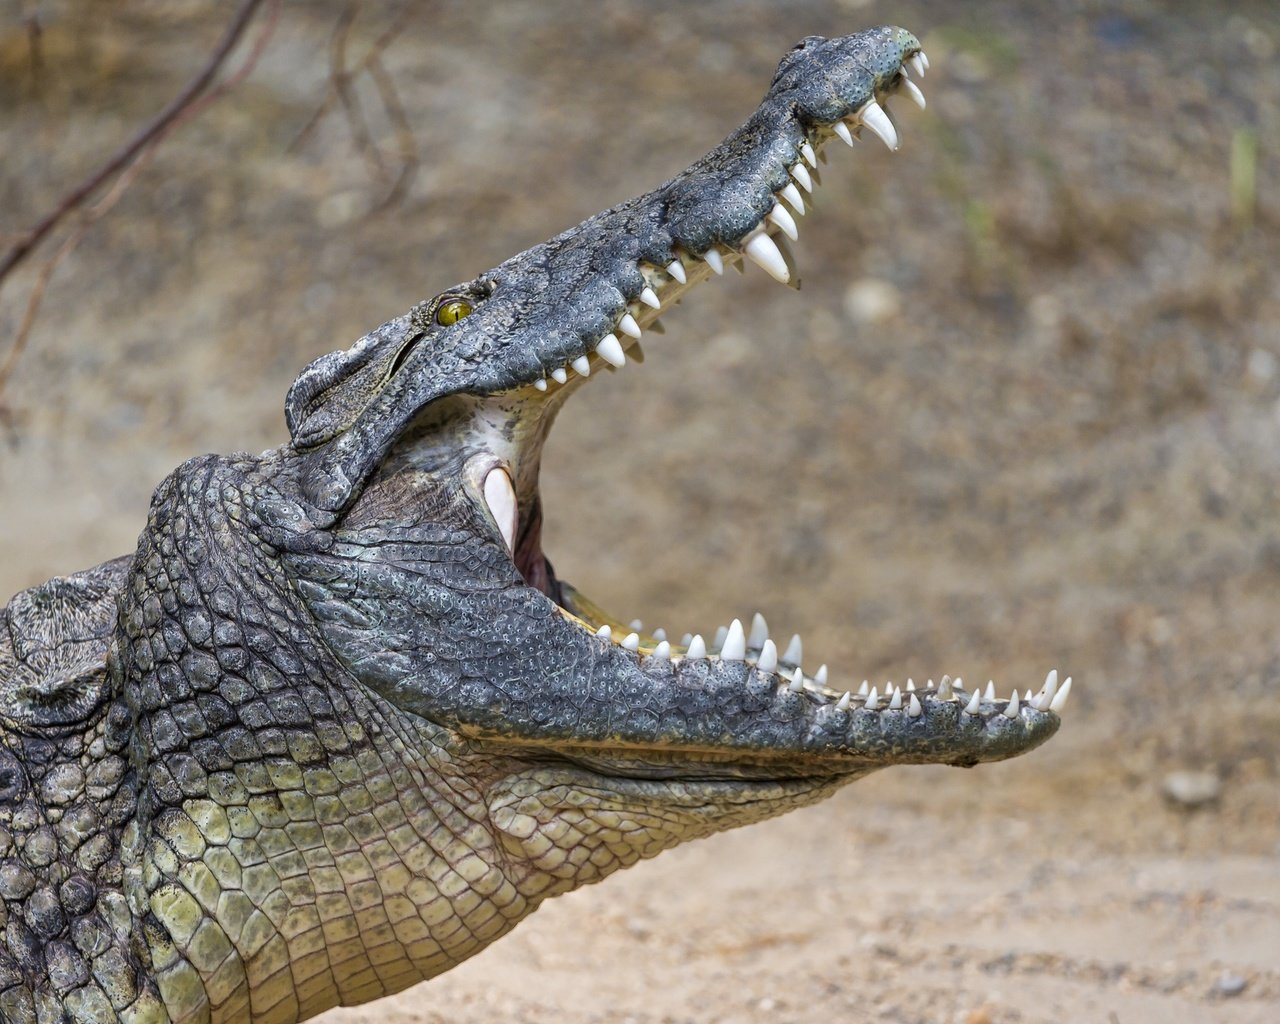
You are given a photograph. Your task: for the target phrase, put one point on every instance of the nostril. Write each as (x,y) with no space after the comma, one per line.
(500,496)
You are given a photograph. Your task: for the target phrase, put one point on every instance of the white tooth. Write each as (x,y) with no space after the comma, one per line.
(794,654)
(913,707)
(1060,701)
(878,121)
(718,640)
(676,269)
(582,366)
(1026,697)
(628,326)
(916,62)
(843,703)
(801,173)
(759,632)
(990,693)
(807,152)
(784,221)
(662,652)
(650,298)
(913,90)
(605,631)
(895,702)
(697,648)
(560,375)
(659,633)
(631,642)
(972,707)
(684,640)
(735,643)
(791,194)
(944,689)
(763,251)
(863,689)
(610,350)
(540,384)
(500,496)
(910,685)
(712,256)
(924,59)
(637,625)
(768,660)
(1045,697)
(1012,710)
(872,702)
(820,677)
(797,681)
(842,130)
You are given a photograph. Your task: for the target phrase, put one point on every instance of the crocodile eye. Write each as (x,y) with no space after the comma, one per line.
(452,311)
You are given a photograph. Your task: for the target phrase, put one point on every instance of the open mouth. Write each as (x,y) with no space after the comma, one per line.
(510,488)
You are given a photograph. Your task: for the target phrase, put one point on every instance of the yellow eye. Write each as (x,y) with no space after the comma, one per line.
(452,311)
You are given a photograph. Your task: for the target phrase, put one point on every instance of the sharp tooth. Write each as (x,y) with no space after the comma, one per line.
(876,119)
(582,366)
(631,642)
(916,61)
(895,702)
(797,681)
(1011,711)
(972,707)
(718,640)
(500,496)
(864,689)
(686,639)
(801,173)
(872,702)
(650,298)
(662,652)
(610,350)
(735,643)
(659,633)
(763,251)
(637,625)
(768,660)
(759,632)
(784,221)
(944,688)
(820,677)
(1026,697)
(843,703)
(676,269)
(842,130)
(628,326)
(910,685)
(560,375)
(807,152)
(1044,698)
(990,693)
(605,631)
(924,59)
(794,654)
(697,648)
(712,256)
(913,90)
(913,707)
(791,194)
(540,384)
(1060,701)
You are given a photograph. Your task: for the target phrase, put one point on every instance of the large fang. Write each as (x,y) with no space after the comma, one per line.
(878,121)
(735,643)
(500,496)
(913,90)
(842,130)
(610,350)
(791,194)
(784,220)
(762,250)
(712,256)
(650,298)
(676,269)
(627,324)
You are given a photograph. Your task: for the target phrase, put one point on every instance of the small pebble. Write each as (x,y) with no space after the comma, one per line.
(1192,789)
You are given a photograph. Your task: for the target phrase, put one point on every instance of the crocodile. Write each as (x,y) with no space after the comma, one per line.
(337,725)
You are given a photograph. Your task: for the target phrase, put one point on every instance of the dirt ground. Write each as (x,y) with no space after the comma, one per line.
(1024,413)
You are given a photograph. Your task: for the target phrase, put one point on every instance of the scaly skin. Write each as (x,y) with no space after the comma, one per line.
(336,726)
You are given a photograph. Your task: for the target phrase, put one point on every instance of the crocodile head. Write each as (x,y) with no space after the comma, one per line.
(421,449)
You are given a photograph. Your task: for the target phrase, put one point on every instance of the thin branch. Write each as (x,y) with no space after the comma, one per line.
(77,196)
(404,131)
(193,108)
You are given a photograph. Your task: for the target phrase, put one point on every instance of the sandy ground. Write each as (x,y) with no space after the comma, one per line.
(1023,414)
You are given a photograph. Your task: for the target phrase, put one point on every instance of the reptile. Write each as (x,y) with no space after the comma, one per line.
(336,725)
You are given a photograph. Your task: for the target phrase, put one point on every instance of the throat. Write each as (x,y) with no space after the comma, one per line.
(529,559)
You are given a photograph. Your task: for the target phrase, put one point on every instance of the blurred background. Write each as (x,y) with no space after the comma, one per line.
(1023,414)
